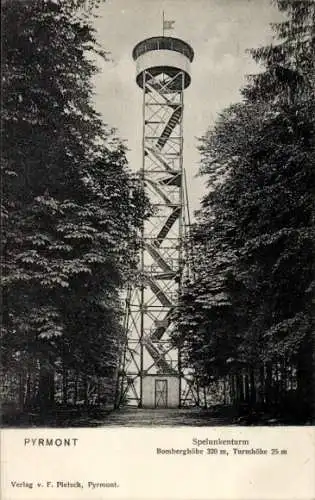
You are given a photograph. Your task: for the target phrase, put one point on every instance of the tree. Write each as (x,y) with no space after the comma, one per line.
(254,232)
(71,208)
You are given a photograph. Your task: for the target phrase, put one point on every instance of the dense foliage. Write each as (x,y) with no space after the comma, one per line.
(246,317)
(71,208)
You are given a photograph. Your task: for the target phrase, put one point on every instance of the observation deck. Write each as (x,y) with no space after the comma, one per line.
(163,54)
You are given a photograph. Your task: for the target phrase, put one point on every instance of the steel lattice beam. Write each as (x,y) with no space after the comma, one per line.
(149,306)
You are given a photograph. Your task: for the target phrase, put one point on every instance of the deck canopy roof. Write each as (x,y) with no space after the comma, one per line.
(163,43)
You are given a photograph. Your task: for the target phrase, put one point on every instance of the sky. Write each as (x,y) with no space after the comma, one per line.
(219,31)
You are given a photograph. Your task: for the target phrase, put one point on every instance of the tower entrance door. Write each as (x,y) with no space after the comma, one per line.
(161,393)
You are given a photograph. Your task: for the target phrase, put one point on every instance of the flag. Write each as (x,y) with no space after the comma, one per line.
(168,25)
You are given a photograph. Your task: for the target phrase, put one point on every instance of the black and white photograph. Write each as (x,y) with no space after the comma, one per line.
(157,214)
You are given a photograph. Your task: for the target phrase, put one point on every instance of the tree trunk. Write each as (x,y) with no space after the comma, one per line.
(64,384)
(232,390)
(305,380)
(46,389)
(205,398)
(268,384)
(21,391)
(86,394)
(239,387)
(28,398)
(75,396)
(247,388)
(262,389)
(253,397)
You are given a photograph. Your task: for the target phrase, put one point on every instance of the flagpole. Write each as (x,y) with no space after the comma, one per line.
(163,23)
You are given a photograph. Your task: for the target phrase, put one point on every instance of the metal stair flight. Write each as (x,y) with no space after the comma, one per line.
(171,124)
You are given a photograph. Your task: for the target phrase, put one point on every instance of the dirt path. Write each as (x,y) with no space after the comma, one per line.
(164,417)
(128,417)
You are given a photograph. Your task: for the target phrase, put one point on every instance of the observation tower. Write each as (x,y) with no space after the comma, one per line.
(151,374)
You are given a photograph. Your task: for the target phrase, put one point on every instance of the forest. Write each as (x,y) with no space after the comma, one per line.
(72,211)
(246,315)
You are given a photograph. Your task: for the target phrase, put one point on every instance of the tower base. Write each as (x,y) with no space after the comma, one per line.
(161,391)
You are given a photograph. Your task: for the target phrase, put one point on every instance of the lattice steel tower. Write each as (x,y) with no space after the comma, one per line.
(151,373)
